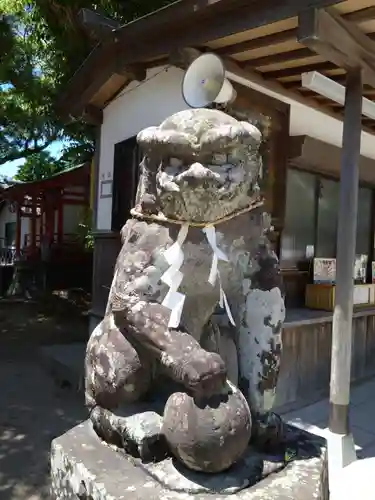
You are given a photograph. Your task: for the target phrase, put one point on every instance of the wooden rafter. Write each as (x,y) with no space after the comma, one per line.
(267,50)
(283,57)
(98,25)
(92,114)
(289,57)
(338,41)
(275,86)
(169,28)
(359,16)
(242,15)
(296,71)
(258,43)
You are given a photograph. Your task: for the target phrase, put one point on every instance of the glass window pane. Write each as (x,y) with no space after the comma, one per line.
(363,221)
(298,235)
(328,209)
(10,234)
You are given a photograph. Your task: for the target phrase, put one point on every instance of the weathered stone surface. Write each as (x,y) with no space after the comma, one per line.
(82,467)
(208,435)
(200,167)
(142,435)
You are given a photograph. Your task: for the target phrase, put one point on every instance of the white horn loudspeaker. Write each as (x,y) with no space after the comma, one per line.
(205,83)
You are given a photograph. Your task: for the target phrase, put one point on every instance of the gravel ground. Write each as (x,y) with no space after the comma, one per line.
(33,410)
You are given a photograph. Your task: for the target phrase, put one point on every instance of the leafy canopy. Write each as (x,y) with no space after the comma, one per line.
(39,166)
(42,44)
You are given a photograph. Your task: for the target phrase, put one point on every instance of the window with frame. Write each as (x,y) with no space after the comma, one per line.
(125,179)
(364,222)
(311,218)
(10,234)
(328,199)
(298,235)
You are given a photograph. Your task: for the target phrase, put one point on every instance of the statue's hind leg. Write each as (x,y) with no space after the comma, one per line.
(118,375)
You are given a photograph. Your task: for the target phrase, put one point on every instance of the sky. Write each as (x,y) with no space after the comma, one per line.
(10,168)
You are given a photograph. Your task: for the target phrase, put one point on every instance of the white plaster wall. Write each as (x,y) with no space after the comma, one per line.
(142,105)
(7,216)
(139,106)
(307,121)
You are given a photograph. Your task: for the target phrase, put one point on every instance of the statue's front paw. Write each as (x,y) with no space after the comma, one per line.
(205,373)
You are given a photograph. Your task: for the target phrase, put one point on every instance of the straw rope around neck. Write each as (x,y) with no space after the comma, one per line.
(162,218)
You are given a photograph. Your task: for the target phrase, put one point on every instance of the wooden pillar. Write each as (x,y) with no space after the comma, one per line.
(48,218)
(33,224)
(344,452)
(41,229)
(94,174)
(278,172)
(60,219)
(18,230)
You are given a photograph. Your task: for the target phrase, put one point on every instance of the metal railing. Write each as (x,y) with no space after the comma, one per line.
(67,238)
(7,256)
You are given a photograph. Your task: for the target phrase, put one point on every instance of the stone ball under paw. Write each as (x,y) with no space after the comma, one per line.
(207,436)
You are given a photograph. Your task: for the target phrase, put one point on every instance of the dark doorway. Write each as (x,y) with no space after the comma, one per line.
(10,234)
(125,180)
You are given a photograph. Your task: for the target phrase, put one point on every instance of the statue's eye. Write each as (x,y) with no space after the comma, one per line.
(168,197)
(175,162)
(219,159)
(236,155)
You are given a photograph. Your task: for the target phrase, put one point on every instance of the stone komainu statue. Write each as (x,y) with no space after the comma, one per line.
(198,195)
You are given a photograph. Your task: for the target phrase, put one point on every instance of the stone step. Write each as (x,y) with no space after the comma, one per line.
(65,363)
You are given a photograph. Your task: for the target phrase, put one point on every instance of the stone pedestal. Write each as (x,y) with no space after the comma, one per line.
(82,467)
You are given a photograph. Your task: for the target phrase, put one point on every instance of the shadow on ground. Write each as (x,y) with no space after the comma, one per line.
(56,318)
(33,410)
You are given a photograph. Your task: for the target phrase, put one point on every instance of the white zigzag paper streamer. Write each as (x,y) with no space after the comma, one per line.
(174,300)
(210,233)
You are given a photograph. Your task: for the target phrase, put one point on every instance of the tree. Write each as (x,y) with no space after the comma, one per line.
(39,166)
(41,45)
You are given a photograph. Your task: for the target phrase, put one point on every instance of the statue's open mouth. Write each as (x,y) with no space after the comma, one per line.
(195,175)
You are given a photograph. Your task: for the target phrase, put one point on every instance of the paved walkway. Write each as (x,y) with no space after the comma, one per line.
(32,412)
(362,418)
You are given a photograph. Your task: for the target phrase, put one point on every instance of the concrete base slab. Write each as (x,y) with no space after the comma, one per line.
(65,363)
(341,453)
(355,481)
(83,467)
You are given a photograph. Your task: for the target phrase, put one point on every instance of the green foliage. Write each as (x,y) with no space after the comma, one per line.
(41,45)
(85,230)
(39,166)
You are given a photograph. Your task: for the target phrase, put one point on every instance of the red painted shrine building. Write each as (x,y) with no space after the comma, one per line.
(41,220)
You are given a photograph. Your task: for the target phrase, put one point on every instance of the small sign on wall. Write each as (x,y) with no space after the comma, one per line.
(324,271)
(360,268)
(106,189)
(361,295)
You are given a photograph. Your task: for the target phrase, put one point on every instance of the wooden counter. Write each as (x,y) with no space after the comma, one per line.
(306,360)
(322,296)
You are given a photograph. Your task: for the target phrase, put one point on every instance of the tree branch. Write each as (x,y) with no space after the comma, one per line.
(16,155)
